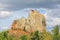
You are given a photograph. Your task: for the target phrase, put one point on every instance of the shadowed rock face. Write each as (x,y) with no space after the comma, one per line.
(34,22)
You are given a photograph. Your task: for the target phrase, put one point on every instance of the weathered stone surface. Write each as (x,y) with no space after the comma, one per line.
(17,33)
(34,22)
(14,24)
(37,21)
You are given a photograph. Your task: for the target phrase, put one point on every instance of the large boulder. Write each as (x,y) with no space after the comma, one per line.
(34,22)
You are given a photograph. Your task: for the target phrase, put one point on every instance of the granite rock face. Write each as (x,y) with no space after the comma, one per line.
(34,22)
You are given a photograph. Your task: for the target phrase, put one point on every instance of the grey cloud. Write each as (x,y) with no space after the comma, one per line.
(13,5)
(55,13)
(52,17)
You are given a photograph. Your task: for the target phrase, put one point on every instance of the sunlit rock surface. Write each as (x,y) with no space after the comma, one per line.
(34,22)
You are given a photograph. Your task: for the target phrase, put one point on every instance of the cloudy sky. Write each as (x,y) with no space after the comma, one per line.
(14,9)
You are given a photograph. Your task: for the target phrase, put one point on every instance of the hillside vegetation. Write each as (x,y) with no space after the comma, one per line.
(53,35)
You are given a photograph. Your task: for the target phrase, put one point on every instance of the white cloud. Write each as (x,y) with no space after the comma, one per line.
(57,21)
(3,5)
(52,17)
(4,28)
(4,13)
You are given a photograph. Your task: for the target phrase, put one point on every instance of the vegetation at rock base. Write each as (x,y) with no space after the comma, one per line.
(53,35)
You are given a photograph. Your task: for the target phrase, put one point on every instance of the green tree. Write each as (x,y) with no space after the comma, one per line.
(35,36)
(47,36)
(55,32)
(24,37)
(3,35)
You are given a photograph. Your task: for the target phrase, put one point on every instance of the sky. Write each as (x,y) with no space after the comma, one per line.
(15,9)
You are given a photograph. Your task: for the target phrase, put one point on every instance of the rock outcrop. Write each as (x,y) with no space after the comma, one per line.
(34,22)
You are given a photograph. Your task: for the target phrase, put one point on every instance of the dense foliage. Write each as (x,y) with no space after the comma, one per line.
(53,35)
